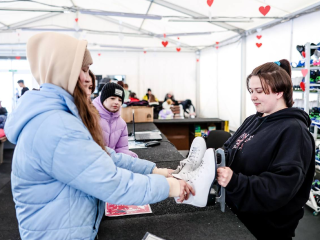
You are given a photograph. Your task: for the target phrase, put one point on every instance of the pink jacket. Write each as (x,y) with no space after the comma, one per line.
(114,129)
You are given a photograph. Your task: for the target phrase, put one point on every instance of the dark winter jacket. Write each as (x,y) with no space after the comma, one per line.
(24,90)
(272,159)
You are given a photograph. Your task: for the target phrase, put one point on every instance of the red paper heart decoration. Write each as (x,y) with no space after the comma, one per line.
(99,54)
(304,72)
(178,38)
(264,10)
(18,57)
(197,60)
(303,86)
(259,44)
(303,54)
(259,36)
(144,52)
(178,49)
(165,43)
(217,47)
(76,19)
(209,2)
(217,42)
(164,35)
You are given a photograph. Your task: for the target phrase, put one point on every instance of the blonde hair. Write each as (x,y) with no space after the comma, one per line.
(169,101)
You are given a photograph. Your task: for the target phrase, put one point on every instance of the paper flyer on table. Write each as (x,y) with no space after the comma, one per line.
(113,210)
(136,145)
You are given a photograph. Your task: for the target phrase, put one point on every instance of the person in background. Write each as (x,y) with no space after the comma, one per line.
(270,158)
(133,97)
(126,92)
(23,87)
(188,109)
(114,128)
(3,116)
(166,112)
(152,100)
(103,82)
(147,96)
(170,96)
(120,83)
(62,173)
(3,110)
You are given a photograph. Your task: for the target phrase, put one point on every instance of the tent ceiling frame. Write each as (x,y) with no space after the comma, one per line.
(144,31)
(194,14)
(30,20)
(146,13)
(312,8)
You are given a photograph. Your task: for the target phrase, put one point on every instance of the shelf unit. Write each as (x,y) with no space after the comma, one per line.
(316,125)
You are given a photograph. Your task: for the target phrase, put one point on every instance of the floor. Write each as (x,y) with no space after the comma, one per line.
(308,228)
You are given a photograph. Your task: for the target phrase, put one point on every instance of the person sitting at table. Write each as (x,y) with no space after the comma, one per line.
(133,97)
(62,173)
(147,96)
(169,95)
(166,112)
(114,128)
(188,109)
(3,115)
(152,100)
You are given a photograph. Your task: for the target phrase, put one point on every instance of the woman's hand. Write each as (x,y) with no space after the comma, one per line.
(185,190)
(170,171)
(224,176)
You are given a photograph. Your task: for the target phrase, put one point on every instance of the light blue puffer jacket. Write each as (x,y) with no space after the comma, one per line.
(61,177)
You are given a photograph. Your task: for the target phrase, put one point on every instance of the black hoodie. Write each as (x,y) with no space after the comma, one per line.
(272,159)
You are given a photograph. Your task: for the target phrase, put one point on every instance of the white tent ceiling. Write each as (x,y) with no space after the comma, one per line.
(21,19)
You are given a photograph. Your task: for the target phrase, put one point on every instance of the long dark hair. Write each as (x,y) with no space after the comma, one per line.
(278,78)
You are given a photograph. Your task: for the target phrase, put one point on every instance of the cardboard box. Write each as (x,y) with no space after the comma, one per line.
(141,114)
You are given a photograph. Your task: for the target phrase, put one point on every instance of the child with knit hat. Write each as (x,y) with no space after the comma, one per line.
(114,128)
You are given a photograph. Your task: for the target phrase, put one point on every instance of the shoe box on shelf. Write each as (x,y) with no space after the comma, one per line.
(203,132)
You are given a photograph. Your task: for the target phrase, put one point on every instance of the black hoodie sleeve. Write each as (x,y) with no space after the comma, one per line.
(274,188)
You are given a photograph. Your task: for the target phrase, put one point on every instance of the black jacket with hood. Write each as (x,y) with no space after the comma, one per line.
(272,159)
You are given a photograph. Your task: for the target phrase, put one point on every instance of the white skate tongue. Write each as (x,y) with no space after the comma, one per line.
(181,165)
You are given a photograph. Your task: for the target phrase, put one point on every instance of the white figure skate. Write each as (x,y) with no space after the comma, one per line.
(193,161)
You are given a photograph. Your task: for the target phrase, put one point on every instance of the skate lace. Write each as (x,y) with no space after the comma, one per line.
(193,153)
(196,173)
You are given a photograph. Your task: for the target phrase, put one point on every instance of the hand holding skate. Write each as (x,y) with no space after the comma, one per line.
(185,190)
(224,176)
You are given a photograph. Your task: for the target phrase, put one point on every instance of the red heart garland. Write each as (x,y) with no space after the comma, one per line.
(178,49)
(165,43)
(217,47)
(18,57)
(217,42)
(264,10)
(164,35)
(144,52)
(303,86)
(178,38)
(259,44)
(76,19)
(99,54)
(209,2)
(197,60)
(303,54)
(304,72)
(259,36)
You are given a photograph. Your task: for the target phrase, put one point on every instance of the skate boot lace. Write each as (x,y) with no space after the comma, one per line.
(189,160)
(196,173)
